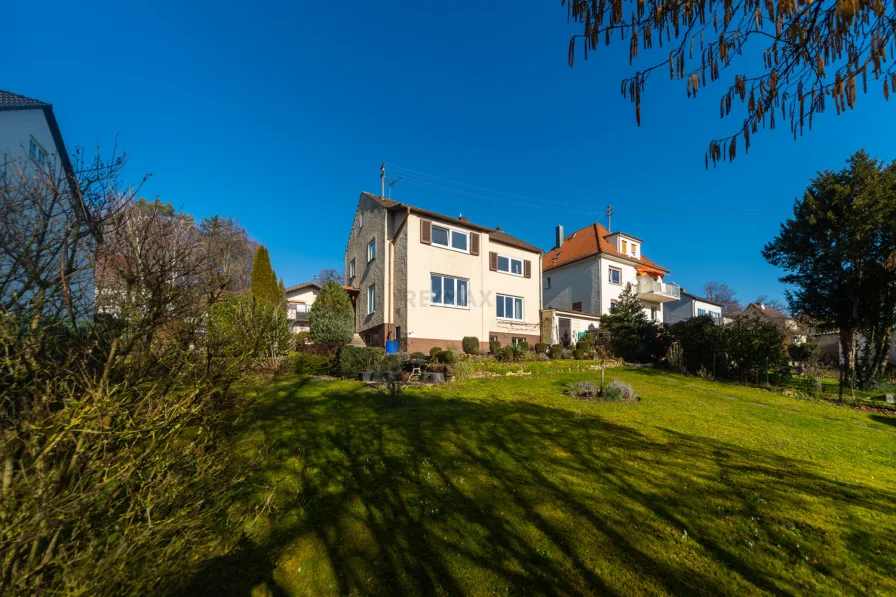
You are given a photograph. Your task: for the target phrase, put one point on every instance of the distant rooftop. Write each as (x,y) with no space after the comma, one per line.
(12,101)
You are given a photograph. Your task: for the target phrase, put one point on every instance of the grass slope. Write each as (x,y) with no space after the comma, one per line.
(506,486)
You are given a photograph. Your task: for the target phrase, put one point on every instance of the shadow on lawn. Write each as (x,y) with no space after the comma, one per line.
(453,496)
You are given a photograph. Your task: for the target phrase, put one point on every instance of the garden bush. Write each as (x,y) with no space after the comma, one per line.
(464,370)
(505,354)
(556,351)
(392,363)
(418,355)
(446,356)
(620,390)
(524,346)
(470,344)
(579,354)
(494,347)
(541,348)
(309,363)
(583,389)
(332,317)
(357,359)
(585,344)
(434,351)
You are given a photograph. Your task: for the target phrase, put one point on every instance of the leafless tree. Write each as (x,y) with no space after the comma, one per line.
(721,293)
(329,273)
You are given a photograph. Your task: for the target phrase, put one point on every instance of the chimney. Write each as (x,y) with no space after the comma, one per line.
(462,218)
(559,236)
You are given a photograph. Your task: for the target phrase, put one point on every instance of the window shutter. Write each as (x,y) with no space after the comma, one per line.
(493,261)
(527,268)
(426,232)
(474,243)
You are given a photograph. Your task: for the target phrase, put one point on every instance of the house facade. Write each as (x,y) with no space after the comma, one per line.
(299,299)
(562,326)
(31,146)
(428,279)
(794,330)
(588,269)
(690,305)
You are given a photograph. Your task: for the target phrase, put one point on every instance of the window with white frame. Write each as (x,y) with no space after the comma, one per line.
(510,265)
(448,291)
(653,313)
(509,307)
(351,268)
(371,250)
(451,238)
(371,299)
(615,275)
(36,152)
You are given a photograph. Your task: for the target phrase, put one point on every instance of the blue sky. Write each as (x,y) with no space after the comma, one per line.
(280,114)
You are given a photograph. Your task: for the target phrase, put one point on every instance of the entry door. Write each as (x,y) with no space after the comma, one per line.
(564,330)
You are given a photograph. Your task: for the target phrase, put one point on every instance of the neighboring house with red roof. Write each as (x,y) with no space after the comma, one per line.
(795,331)
(429,279)
(588,269)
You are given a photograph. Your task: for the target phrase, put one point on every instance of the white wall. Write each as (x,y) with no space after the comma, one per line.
(479,318)
(578,324)
(573,283)
(16,129)
(304,295)
(715,310)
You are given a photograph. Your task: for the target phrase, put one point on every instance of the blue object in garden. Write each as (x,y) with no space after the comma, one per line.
(391,346)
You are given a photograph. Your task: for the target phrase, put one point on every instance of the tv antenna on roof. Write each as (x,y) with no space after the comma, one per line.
(392,182)
(609,216)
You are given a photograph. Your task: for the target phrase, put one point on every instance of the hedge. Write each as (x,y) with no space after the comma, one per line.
(356,359)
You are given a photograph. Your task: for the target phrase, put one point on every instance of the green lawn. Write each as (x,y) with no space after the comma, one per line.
(506,486)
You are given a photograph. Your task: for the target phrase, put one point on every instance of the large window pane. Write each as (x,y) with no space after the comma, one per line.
(461,293)
(439,236)
(436,282)
(518,308)
(516,267)
(459,240)
(503,264)
(449,291)
(500,303)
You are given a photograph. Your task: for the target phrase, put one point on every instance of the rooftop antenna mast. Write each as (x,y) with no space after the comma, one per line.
(392,182)
(609,217)
(383,179)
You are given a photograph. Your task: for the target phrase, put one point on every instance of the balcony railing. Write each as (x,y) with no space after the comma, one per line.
(294,310)
(647,286)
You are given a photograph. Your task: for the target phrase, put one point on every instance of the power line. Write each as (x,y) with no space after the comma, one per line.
(541,203)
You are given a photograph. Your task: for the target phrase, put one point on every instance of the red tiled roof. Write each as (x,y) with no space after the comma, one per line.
(495,235)
(588,242)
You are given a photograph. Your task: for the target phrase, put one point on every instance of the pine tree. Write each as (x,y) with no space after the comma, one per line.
(332,319)
(264,282)
(629,327)
(282,289)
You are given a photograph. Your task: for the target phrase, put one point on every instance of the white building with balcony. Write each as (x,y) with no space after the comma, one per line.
(299,299)
(588,269)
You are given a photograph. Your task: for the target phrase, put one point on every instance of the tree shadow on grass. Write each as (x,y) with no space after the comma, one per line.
(884,419)
(466,496)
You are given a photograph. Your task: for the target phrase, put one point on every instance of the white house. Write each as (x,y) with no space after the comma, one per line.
(429,279)
(587,271)
(299,299)
(31,145)
(690,305)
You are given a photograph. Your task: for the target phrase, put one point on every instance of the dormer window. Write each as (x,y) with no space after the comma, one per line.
(629,248)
